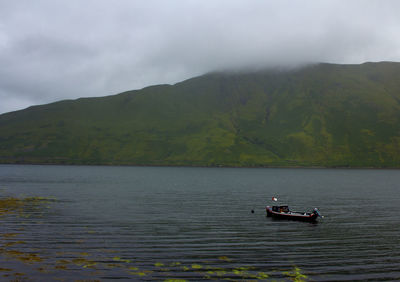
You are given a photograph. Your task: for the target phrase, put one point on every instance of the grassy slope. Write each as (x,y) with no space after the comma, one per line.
(322,115)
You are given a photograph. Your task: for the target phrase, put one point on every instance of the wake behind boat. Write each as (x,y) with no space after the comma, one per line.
(283,212)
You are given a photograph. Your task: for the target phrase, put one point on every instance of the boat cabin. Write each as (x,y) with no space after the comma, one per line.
(280,208)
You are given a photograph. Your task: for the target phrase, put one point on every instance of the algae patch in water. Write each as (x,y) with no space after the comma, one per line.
(121,259)
(197,266)
(296,275)
(23,206)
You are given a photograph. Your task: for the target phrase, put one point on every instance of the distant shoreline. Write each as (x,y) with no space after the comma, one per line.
(200,166)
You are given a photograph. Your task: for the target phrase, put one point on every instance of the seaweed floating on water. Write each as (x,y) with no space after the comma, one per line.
(23,206)
(296,275)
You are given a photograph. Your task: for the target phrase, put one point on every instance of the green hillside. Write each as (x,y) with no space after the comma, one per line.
(320,115)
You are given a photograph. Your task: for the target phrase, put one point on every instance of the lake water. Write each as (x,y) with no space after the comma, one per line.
(160,223)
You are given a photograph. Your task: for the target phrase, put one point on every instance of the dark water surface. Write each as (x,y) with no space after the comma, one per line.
(160,223)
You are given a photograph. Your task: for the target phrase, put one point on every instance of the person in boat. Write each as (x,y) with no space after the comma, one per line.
(281,208)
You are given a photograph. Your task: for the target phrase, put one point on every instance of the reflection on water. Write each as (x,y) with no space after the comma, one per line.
(173,224)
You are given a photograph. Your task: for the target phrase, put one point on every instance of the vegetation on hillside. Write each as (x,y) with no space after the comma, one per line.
(319,115)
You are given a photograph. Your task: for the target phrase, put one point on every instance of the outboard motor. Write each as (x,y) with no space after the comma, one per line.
(317,213)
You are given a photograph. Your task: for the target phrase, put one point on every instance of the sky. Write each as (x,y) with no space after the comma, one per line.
(52,50)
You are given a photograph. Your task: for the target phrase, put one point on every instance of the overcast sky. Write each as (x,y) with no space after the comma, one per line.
(65,49)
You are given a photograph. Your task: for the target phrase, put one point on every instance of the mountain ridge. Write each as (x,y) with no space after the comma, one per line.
(327,115)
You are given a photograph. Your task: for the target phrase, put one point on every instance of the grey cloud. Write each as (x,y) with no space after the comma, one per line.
(53,50)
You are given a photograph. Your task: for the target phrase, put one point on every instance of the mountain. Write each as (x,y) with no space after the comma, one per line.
(318,115)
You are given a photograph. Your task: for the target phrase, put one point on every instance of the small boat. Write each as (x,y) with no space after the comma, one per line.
(283,212)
